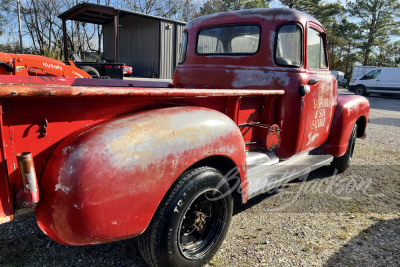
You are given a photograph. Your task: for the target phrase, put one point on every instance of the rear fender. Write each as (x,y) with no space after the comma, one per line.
(104,183)
(350,109)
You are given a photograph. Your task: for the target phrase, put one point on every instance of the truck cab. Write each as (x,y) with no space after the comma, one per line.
(263,49)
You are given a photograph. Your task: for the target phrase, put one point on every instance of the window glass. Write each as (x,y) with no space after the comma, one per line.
(238,39)
(183,48)
(323,55)
(371,75)
(316,54)
(288,46)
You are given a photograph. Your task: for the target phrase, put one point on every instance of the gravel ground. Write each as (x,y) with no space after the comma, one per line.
(324,219)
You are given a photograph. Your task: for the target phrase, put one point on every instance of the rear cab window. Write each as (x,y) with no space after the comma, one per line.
(316,52)
(183,48)
(288,46)
(242,39)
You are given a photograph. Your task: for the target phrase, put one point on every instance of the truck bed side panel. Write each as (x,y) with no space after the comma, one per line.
(6,210)
(105,182)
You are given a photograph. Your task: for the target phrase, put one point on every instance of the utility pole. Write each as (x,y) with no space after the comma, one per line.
(20,29)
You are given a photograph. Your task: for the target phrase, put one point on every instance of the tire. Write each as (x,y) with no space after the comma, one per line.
(360,90)
(343,163)
(189,226)
(91,71)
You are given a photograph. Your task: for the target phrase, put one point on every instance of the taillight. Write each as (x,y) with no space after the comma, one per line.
(127,70)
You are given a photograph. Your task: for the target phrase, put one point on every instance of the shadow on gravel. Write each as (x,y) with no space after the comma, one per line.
(378,245)
(23,246)
(321,173)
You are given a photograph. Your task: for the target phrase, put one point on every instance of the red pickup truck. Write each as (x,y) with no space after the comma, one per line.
(252,105)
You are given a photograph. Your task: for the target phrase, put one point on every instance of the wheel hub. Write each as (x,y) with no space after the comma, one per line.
(201,225)
(199,221)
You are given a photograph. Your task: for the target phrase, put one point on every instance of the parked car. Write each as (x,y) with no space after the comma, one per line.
(339,78)
(127,70)
(383,81)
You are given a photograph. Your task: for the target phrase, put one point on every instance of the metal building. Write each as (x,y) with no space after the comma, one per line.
(144,42)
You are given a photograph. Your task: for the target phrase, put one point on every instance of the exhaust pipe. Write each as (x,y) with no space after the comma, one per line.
(28,197)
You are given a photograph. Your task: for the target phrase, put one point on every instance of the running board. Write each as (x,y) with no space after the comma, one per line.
(264,173)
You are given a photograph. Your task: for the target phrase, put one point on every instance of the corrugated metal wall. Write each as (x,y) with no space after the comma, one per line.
(145,43)
(139,44)
(108,41)
(168,44)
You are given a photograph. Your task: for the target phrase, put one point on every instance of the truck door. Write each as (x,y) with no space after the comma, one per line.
(322,96)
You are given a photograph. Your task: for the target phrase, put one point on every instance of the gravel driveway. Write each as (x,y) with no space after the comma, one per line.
(324,219)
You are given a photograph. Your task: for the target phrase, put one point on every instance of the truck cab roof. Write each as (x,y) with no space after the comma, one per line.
(278,15)
(268,22)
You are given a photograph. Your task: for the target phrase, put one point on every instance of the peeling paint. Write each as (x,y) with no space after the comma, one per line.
(259,78)
(65,189)
(67,149)
(312,137)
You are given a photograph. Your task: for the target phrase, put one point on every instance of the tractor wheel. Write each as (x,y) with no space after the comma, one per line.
(91,71)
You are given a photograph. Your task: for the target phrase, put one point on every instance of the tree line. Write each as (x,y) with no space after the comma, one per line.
(359,31)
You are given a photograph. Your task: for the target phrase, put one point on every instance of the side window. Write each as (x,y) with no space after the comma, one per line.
(183,48)
(288,49)
(371,75)
(316,52)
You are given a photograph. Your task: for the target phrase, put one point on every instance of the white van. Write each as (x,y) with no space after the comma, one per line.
(384,81)
(359,71)
(339,77)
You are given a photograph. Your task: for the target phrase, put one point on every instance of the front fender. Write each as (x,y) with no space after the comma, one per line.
(349,110)
(105,182)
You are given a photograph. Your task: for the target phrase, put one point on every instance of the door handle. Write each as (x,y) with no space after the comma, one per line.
(313,81)
(378,80)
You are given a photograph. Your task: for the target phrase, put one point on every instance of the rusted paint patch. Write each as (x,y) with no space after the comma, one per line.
(258,78)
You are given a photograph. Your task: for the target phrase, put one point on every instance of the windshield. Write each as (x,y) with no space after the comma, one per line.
(77,58)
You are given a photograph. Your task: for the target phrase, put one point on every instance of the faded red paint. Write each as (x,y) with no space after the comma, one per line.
(140,156)
(349,109)
(6,210)
(260,71)
(96,196)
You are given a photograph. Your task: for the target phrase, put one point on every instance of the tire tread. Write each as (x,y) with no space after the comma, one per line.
(342,163)
(149,240)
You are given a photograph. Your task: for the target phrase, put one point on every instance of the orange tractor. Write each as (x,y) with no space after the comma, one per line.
(33,65)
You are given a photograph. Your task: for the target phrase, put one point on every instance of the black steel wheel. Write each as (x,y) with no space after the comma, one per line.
(191,222)
(343,163)
(360,90)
